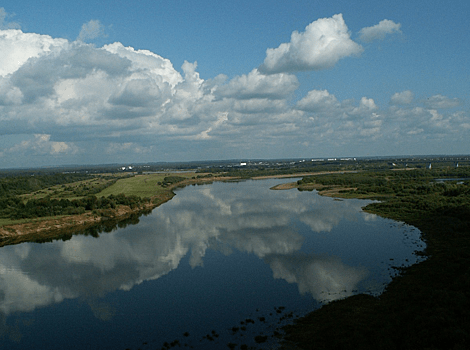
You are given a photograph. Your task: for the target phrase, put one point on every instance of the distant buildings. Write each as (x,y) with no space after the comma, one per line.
(124,168)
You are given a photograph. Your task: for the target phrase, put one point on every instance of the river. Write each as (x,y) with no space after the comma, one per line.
(219,263)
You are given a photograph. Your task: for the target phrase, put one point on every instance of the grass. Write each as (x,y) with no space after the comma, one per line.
(5,222)
(140,185)
(70,191)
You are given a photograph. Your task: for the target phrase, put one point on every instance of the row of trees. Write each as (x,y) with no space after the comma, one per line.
(85,189)
(15,208)
(170,180)
(400,183)
(17,185)
(412,193)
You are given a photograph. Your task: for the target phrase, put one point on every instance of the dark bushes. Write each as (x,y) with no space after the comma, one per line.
(14,208)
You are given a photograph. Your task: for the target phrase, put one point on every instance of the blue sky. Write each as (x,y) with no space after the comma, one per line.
(127,82)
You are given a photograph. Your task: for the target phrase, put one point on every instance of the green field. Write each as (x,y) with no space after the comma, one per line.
(86,194)
(72,190)
(140,185)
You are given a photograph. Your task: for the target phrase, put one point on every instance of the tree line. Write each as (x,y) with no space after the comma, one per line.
(16,208)
(16,185)
(412,193)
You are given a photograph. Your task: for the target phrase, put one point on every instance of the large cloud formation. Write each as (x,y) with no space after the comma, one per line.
(321,46)
(72,102)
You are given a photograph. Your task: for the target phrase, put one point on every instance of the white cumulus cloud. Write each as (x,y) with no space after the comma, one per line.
(69,101)
(18,47)
(256,85)
(318,101)
(402,98)
(379,31)
(441,102)
(41,144)
(323,43)
(147,62)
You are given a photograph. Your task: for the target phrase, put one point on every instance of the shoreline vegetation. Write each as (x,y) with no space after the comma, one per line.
(426,306)
(144,192)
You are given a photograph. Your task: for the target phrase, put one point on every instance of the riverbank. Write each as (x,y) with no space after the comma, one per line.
(427,306)
(49,227)
(41,229)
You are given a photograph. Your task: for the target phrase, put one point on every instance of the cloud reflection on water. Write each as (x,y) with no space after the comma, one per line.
(326,278)
(224,217)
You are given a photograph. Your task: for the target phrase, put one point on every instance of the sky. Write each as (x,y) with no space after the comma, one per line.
(149,81)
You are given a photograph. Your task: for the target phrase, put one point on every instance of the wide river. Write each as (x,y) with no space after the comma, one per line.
(218,264)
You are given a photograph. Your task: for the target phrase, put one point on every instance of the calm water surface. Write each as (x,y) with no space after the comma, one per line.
(215,258)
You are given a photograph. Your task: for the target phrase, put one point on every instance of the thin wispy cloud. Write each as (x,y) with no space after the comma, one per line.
(379,31)
(91,30)
(5,22)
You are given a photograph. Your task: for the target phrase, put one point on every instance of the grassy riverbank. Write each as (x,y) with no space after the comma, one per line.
(428,305)
(85,205)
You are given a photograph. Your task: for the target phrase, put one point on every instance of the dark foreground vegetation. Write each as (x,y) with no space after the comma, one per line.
(428,305)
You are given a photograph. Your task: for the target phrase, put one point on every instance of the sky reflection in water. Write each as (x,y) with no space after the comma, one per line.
(91,292)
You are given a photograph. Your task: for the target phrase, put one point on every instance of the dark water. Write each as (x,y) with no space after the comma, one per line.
(218,264)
